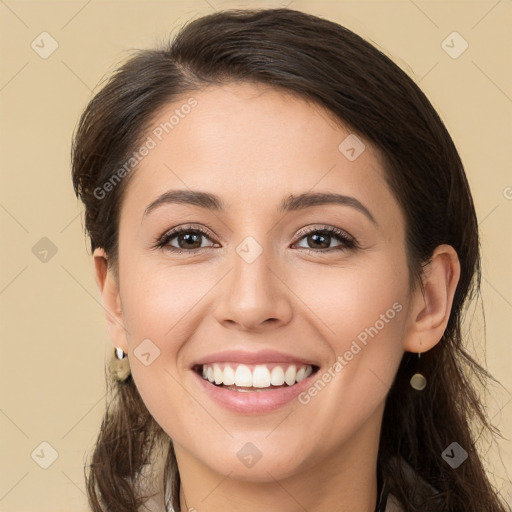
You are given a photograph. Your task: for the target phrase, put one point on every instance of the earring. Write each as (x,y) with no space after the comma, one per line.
(119,353)
(119,365)
(418,380)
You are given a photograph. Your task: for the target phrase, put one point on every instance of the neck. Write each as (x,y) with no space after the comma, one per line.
(345,481)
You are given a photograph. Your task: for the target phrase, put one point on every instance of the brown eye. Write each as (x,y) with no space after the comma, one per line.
(321,239)
(189,240)
(184,240)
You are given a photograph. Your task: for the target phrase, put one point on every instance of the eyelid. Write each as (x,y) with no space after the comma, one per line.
(169,234)
(330,229)
(346,240)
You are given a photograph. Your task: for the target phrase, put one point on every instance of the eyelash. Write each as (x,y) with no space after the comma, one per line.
(347,242)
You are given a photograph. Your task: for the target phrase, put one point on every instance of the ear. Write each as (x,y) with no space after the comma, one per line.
(111,299)
(432,305)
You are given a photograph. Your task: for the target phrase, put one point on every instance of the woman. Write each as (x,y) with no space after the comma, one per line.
(284,240)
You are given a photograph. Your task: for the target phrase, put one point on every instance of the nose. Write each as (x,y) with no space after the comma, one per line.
(254,295)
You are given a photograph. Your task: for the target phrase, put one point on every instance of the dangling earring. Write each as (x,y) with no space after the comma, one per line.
(119,353)
(119,365)
(418,380)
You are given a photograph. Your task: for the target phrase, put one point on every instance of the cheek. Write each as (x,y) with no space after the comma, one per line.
(362,301)
(363,314)
(366,312)
(162,309)
(158,298)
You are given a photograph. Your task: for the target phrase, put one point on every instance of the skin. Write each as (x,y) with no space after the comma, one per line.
(253,146)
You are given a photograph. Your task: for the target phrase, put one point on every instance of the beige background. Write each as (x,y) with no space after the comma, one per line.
(53,332)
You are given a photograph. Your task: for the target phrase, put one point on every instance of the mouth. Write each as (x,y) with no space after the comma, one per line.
(251,378)
(252,383)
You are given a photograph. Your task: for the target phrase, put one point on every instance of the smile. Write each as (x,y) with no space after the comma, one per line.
(251,378)
(253,383)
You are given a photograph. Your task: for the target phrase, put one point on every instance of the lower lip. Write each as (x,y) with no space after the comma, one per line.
(253,402)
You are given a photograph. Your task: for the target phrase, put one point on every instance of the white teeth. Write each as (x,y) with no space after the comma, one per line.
(229,376)
(290,374)
(218,374)
(259,376)
(243,376)
(277,376)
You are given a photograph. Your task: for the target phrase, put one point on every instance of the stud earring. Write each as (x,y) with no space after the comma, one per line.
(119,365)
(418,380)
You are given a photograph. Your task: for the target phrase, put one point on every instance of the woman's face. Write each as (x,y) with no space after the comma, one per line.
(267,290)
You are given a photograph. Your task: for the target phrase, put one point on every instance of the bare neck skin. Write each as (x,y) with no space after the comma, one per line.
(345,481)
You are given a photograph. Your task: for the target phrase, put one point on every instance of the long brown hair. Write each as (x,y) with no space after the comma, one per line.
(328,64)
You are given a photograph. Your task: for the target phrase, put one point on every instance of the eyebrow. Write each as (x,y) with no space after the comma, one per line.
(291,203)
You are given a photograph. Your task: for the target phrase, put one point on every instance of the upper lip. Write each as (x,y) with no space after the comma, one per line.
(244,357)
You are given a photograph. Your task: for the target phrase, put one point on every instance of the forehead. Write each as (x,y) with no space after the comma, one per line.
(251,143)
